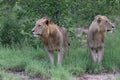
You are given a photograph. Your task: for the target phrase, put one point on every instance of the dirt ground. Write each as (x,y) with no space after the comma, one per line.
(103,76)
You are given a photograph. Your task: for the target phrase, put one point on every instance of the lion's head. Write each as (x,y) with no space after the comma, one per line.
(40,26)
(104,23)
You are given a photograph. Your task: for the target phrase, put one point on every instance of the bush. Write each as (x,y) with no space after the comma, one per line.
(19,16)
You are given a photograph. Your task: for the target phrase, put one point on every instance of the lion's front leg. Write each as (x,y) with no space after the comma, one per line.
(60,56)
(100,54)
(51,57)
(93,54)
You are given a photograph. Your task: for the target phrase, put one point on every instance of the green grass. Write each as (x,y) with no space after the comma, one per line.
(36,62)
(112,51)
(9,76)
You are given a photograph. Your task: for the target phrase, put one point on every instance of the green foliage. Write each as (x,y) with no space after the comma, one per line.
(112,50)
(9,76)
(10,29)
(38,68)
(36,62)
(17,17)
(59,73)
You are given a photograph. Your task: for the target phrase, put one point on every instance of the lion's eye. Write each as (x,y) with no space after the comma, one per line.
(39,25)
(106,21)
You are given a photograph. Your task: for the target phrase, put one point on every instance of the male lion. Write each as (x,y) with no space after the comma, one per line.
(55,38)
(96,36)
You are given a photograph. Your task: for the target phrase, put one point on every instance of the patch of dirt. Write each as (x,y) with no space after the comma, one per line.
(25,76)
(103,76)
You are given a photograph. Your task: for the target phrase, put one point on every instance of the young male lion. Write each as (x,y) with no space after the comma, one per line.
(55,38)
(96,36)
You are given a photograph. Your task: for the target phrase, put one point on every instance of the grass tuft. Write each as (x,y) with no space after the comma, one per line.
(36,61)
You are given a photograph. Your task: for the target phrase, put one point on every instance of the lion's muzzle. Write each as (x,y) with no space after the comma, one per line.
(34,34)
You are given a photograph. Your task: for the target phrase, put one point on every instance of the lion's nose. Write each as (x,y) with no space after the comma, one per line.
(33,30)
(113,26)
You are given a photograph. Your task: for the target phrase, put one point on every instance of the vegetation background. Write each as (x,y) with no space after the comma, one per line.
(20,51)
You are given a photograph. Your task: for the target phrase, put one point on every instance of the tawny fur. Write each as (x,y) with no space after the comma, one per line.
(96,36)
(55,38)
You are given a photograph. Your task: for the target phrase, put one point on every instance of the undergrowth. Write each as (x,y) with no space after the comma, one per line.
(36,62)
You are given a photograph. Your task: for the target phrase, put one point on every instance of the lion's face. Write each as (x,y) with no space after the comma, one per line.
(105,23)
(40,26)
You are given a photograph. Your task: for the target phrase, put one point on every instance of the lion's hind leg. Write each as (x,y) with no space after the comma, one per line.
(66,46)
(60,56)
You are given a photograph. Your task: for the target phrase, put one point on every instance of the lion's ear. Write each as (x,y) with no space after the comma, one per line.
(47,21)
(99,19)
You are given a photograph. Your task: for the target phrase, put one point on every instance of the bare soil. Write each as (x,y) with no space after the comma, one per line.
(103,76)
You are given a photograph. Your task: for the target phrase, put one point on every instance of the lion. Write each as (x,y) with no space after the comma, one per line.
(96,36)
(55,38)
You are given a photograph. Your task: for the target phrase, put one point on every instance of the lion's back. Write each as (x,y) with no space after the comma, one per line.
(56,38)
(95,39)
